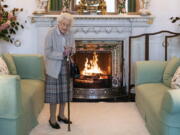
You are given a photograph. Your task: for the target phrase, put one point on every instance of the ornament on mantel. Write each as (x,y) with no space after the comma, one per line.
(41,6)
(66,4)
(144,7)
(121,6)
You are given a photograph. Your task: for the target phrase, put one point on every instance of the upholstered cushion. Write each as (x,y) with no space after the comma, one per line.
(149,72)
(175,82)
(3,67)
(30,66)
(150,95)
(32,91)
(10,63)
(170,69)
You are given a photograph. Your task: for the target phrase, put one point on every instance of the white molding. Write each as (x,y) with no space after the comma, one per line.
(111,20)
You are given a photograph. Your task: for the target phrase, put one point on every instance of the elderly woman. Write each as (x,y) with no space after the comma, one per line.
(59,44)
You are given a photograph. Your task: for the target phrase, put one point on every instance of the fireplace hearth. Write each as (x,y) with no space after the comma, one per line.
(101,69)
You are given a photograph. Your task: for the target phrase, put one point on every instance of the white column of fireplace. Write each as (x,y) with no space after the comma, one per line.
(97,27)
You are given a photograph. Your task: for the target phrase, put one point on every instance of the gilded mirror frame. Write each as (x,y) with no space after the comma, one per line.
(134,6)
(73,6)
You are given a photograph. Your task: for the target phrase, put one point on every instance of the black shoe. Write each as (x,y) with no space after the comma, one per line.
(65,120)
(55,125)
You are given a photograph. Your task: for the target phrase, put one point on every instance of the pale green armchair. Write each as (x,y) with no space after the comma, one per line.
(158,104)
(22,95)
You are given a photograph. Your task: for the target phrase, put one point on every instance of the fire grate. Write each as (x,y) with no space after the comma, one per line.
(101,69)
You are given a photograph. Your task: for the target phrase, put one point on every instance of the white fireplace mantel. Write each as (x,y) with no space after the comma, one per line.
(133,20)
(96,27)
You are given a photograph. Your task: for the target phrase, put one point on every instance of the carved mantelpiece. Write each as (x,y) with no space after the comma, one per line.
(96,27)
(98,24)
(116,20)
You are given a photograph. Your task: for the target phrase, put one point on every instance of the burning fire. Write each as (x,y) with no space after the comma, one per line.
(91,66)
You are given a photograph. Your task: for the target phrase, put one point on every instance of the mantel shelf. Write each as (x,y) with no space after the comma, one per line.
(123,16)
(45,20)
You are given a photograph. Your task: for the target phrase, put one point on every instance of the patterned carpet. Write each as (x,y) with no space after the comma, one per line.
(100,118)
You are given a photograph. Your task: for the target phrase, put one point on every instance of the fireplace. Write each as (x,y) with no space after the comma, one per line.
(106,35)
(101,69)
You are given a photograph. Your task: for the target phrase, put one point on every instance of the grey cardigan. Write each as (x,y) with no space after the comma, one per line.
(54,47)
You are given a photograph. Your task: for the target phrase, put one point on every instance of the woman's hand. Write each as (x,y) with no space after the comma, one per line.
(71,59)
(67,51)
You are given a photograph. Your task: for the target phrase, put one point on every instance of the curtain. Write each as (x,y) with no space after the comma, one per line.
(131,5)
(55,5)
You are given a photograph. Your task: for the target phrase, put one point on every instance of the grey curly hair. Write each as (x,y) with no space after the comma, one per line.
(65,16)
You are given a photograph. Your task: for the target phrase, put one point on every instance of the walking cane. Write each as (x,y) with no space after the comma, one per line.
(68,87)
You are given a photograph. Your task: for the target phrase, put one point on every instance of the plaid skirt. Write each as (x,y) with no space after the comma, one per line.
(56,91)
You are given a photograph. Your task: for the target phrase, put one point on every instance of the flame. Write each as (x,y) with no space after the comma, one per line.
(91,67)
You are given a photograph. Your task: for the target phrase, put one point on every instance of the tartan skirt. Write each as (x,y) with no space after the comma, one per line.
(56,91)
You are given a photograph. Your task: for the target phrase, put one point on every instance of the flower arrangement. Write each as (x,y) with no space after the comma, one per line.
(9,24)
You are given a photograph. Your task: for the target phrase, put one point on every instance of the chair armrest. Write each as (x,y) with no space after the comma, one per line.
(171,101)
(30,66)
(149,72)
(170,108)
(10,96)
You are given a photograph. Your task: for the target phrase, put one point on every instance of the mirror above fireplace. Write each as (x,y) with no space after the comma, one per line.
(102,6)
(111,5)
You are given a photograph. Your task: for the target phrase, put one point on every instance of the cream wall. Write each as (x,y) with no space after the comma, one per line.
(161,9)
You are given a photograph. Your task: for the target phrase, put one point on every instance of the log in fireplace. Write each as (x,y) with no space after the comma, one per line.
(101,69)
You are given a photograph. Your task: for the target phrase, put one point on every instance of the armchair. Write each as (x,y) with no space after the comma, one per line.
(22,95)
